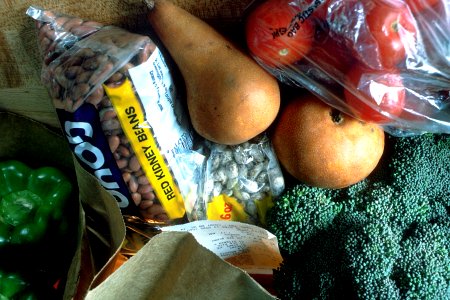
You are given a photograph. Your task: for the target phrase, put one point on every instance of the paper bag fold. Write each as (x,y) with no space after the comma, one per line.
(173,265)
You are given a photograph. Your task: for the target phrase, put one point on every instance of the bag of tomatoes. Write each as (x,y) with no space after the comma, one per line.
(382,61)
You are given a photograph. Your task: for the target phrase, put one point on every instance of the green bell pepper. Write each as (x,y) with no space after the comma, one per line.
(13,286)
(30,201)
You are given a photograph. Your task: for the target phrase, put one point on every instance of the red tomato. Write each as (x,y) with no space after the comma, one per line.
(393,27)
(369,92)
(321,9)
(417,6)
(278,32)
(325,67)
(331,53)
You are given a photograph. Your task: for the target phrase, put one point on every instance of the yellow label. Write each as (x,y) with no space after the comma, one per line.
(132,118)
(226,208)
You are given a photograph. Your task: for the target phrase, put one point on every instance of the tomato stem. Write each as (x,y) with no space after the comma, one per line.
(283,52)
(394,26)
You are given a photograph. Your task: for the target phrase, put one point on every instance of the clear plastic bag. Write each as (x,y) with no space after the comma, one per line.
(239,182)
(116,99)
(383,61)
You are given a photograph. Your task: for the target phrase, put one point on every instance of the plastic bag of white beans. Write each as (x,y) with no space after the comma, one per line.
(118,105)
(239,182)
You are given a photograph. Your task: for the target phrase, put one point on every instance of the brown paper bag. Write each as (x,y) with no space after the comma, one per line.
(37,145)
(105,230)
(101,228)
(173,265)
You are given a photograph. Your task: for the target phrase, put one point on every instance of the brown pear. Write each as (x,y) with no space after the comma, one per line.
(230,97)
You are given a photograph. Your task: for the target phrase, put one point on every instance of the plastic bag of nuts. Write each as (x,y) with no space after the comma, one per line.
(116,99)
(239,182)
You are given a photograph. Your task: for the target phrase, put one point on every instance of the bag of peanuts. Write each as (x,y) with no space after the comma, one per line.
(239,182)
(116,100)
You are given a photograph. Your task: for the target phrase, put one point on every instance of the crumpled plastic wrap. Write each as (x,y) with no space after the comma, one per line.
(382,61)
(115,95)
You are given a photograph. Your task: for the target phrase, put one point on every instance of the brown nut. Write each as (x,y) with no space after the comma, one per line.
(83,77)
(124,152)
(106,102)
(93,62)
(149,196)
(78,91)
(96,96)
(72,23)
(61,78)
(126,176)
(72,72)
(115,79)
(122,163)
(143,180)
(144,189)
(107,113)
(55,90)
(124,140)
(101,74)
(137,199)
(60,21)
(83,30)
(145,204)
(134,164)
(46,31)
(133,185)
(121,41)
(113,142)
(111,124)
(86,53)
(155,209)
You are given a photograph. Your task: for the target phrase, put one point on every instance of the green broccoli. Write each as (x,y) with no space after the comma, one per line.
(386,237)
(421,164)
(398,207)
(318,270)
(304,210)
(423,272)
(371,252)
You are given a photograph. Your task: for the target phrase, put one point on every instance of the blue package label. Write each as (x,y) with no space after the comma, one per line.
(89,144)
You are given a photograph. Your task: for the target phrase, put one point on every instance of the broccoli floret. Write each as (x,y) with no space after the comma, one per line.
(399,208)
(300,213)
(317,270)
(420,164)
(320,276)
(352,196)
(371,252)
(386,237)
(423,272)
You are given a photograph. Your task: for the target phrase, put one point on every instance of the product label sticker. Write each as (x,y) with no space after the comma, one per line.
(155,86)
(226,208)
(132,118)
